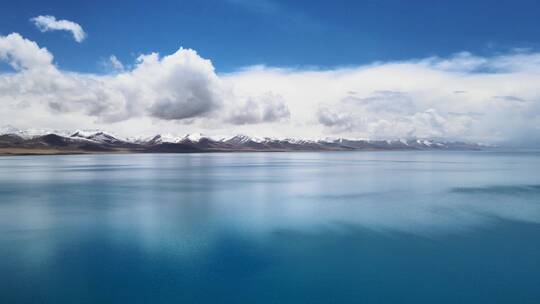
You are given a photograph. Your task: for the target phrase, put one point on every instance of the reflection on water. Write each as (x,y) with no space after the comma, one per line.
(402,227)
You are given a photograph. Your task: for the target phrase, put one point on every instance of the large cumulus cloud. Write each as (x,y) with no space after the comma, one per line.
(175,87)
(22,54)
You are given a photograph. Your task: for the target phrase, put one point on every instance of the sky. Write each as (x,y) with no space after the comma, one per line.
(378,69)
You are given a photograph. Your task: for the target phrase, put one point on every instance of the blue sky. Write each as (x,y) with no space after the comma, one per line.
(237,33)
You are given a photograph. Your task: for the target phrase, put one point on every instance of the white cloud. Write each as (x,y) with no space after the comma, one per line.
(49,23)
(22,54)
(338,119)
(115,63)
(261,109)
(180,87)
(498,99)
(414,98)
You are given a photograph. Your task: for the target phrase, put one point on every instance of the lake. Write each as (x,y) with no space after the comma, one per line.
(344,227)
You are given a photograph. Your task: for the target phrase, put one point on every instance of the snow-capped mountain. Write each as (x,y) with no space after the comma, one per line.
(30,133)
(91,141)
(97,136)
(193,138)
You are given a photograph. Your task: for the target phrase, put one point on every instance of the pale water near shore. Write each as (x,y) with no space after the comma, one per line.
(360,227)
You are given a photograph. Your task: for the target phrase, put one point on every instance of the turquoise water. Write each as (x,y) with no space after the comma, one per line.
(361,227)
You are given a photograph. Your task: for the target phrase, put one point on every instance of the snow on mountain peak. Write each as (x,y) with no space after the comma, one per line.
(237,139)
(96,135)
(193,137)
(29,133)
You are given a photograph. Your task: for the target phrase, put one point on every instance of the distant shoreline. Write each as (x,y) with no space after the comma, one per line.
(56,152)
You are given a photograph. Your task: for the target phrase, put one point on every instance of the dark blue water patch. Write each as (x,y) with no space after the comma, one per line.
(476,268)
(500,190)
(351,266)
(396,195)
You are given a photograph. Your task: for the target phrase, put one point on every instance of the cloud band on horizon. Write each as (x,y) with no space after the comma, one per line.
(182,91)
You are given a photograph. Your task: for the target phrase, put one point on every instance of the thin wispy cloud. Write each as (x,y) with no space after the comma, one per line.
(259,6)
(283,16)
(50,23)
(115,63)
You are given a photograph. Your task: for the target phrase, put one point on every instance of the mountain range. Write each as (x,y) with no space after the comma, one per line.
(15,141)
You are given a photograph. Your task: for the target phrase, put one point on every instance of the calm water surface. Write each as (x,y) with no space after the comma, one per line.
(361,227)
